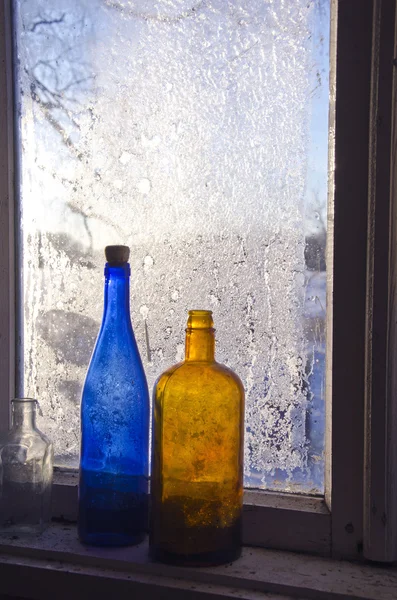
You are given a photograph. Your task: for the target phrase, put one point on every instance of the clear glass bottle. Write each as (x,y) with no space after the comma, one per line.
(197,459)
(113,487)
(26,467)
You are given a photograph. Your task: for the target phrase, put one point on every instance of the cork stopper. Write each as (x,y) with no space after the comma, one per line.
(117,256)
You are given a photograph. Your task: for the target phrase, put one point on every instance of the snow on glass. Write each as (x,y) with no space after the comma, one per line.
(196,133)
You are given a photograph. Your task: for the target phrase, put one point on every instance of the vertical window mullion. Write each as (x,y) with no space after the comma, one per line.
(7,250)
(380,506)
(352,104)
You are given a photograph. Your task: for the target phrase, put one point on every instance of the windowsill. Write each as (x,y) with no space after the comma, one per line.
(30,568)
(274,520)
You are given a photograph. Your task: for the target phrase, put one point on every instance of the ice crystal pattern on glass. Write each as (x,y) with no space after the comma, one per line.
(195,131)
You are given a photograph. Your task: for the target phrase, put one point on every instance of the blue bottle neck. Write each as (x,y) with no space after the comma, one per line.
(117,295)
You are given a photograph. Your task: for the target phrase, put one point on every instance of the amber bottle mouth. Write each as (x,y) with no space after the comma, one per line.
(200,319)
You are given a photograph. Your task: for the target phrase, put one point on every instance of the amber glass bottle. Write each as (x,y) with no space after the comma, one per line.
(197,460)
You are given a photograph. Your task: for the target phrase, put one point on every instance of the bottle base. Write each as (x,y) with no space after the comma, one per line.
(203,559)
(112,509)
(111,540)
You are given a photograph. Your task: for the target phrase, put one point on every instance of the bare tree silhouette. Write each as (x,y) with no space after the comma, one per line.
(61,84)
(316,240)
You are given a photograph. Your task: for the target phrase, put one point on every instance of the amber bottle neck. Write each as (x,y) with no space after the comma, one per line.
(200,345)
(200,336)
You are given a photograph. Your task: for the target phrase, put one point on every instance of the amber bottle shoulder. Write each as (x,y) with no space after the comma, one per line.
(223,371)
(162,379)
(192,369)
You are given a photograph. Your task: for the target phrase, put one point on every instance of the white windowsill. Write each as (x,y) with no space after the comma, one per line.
(32,567)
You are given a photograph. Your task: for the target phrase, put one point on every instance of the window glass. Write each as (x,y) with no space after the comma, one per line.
(196,132)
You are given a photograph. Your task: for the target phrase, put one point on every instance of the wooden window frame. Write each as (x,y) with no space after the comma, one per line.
(380,410)
(360,404)
(7,220)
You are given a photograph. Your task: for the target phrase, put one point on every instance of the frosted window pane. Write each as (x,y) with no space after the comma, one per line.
(195,132)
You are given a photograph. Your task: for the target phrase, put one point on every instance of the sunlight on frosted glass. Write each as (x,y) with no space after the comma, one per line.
(196,133)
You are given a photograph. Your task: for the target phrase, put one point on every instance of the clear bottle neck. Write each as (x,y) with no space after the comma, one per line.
(24,413)
(117,294)
(200,337)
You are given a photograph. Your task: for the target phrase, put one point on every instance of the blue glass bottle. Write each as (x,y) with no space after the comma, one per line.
(113,487)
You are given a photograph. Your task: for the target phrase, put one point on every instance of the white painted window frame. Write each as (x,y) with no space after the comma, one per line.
(357,516)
